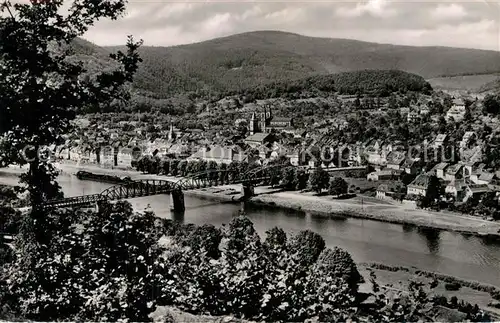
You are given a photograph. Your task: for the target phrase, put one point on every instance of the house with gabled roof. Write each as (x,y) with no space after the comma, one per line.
(474,190)
(456,189)
(259,139)
(440,170)
(419,186)
(441,140)
(395,159)
(454,172)
(467,139)
(483,177)
(390,190)
(386,174)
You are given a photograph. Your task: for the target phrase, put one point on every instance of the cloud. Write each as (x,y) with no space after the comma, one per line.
(462,24)
(377,8)
(451,11)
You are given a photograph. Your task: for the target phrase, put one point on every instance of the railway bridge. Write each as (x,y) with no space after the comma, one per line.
(148,187)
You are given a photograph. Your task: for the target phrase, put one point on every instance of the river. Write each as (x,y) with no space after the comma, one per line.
(467,257)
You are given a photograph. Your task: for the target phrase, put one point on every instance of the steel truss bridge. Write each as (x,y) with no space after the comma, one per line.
(148,187)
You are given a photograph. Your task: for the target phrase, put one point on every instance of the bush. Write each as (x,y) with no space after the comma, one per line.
(452,286)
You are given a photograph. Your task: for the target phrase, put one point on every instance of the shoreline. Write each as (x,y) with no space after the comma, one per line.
(360,207)
(322,208)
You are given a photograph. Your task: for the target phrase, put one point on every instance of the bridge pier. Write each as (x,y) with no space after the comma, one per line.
(247,190)
(177,201)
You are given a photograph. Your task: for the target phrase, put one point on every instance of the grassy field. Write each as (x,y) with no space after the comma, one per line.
(470,83)
(399,280)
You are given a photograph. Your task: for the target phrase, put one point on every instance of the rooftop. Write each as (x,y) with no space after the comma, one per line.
(479,188)
(485,176)
(422,181)
(453,169)
(441,137)
(281,119)
(258,137)
(219,152)
(457,183)
(396,157)
(389,187)
(388,172)
(440,166)
(468,135)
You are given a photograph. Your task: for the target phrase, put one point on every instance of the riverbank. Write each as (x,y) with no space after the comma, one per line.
(320,206)
(359,207)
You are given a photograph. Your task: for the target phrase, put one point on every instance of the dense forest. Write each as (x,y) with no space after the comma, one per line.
(373,82)
(248,60)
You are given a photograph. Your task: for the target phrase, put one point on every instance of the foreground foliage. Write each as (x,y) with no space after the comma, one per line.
(117,265)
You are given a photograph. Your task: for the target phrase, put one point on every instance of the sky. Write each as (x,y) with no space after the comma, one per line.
(469,24)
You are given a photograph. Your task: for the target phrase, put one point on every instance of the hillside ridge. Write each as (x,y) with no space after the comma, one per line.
(251,59)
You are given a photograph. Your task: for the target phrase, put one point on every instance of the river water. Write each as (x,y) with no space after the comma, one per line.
(449,253)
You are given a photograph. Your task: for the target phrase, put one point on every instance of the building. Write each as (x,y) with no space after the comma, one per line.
(456,112)
(410,166)
(413,116)
(124,157)
(454,172)
(259,139)
(107,156)
(473,170)
(468,139)
(441,140)
(383,175)
(265,122)
(456,189)
(440,170)
(476,190)
(280,123)
(482,177)
(424,110)
(390,191)
(219,154)
(395,159)
(419,186)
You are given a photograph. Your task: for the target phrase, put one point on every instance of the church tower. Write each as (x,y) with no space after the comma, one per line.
(253,123)
(263,121)
(171,132)
(269,115)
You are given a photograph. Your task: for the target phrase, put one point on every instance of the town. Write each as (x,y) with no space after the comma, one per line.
(433,151)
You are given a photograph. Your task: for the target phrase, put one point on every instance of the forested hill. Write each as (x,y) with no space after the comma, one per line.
(375,82)
(255,58)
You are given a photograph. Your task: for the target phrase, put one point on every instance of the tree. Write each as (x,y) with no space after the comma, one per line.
(433,188)
(101,268)
(288,178)
(491,104)
(43,87)
(306,247)
(174,163)
(337,262)
(182,168)
(318,180)
(338,186)
(166,166)
(301,178)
